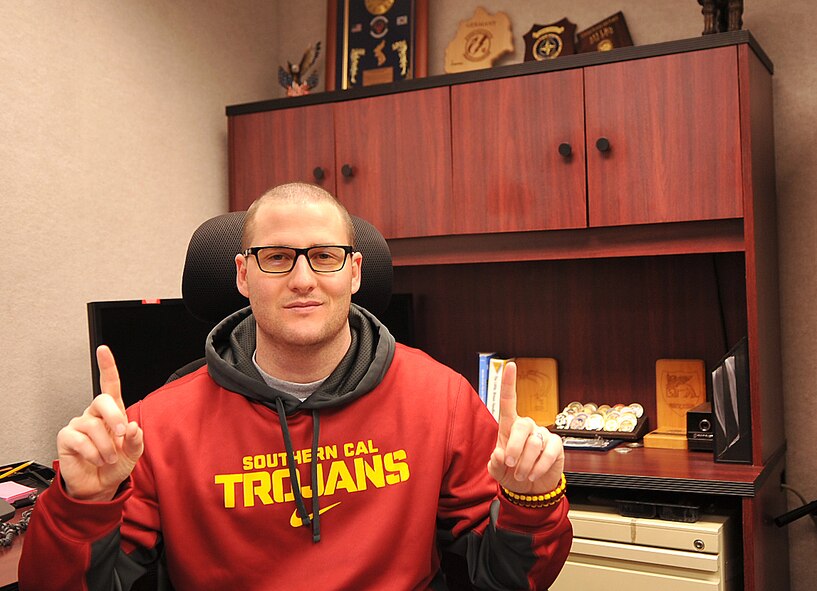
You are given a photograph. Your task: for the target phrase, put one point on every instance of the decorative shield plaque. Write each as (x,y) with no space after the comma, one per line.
(546,42)
(480,41)
(608,34)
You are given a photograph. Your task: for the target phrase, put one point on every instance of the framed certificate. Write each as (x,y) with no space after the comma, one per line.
(375,42)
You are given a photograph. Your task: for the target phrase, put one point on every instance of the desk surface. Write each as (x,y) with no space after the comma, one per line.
(674,470)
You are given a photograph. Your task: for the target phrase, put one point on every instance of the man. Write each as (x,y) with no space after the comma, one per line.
(311,452)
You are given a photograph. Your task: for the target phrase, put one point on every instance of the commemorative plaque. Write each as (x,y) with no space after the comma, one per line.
(375,42)
(480,41)
(680,385)
(608,34)
(546,42)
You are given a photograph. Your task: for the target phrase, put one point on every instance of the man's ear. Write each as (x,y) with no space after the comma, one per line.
(241,275)
(357,267)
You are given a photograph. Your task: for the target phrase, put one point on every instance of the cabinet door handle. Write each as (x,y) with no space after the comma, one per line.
(318,173)
(565,149)
(347,171)
(603,144)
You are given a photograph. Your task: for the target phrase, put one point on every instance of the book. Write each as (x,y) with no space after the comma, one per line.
(482,381)
(495,367)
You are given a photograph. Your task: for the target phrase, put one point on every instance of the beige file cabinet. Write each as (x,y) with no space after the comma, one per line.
(612,553)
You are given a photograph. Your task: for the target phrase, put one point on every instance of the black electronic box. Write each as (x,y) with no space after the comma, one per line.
(700,428)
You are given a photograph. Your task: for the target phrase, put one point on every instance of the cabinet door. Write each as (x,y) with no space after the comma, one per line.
(509,174)
(399,149)
(274,147)
(673,128)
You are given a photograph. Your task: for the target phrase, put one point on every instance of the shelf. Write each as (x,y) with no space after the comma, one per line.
(670,470)
(709,236)
(579,60)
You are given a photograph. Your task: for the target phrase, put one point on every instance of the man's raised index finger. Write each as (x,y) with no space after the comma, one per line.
(507,396)
(109,374)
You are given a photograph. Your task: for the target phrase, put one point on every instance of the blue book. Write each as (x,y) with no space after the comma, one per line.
(484,365)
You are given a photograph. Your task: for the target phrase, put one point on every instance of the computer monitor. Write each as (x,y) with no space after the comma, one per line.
(150,339)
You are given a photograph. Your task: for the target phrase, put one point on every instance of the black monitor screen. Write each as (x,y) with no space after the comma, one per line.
(150,340)
(399,318)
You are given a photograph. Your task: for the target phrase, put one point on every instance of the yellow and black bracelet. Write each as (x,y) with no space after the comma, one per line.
(537,501)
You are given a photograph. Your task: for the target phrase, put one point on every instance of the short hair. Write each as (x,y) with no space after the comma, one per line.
(294,193)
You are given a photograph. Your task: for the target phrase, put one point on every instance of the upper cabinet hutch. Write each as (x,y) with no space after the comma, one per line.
(606,209)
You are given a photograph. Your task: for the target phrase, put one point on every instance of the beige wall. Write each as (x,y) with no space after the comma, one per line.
(113,149)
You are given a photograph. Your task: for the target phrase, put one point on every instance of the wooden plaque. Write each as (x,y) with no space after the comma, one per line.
(537,389)
(547,42)
(480,41)
(680,384)
(608,34)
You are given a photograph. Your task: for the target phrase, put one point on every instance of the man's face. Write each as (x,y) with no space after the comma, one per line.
(300,308)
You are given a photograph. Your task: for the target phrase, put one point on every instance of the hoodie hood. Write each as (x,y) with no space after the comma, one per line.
(231,344)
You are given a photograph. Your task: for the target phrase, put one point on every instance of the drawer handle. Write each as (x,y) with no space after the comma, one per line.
(318,173)
(603,144)
(565,150)
(347,171)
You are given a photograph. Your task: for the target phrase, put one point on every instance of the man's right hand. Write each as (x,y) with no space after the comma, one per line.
(99,449)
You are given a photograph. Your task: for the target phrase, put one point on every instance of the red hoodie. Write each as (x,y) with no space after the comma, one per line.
(401,474)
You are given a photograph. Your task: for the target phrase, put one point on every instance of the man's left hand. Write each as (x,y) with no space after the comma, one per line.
(528,459)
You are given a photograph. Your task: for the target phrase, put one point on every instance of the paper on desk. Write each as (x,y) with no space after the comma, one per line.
(14,491)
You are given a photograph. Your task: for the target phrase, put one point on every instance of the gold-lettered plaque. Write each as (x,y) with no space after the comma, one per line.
(546,42)
(608,34)
(375,42)
(479,42)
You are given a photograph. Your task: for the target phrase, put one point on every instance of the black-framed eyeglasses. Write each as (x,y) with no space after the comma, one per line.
(282,259)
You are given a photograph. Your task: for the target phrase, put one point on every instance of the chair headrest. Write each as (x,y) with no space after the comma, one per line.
(208,280)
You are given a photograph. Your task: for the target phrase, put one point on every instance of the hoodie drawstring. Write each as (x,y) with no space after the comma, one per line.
(294,475)
(316,510)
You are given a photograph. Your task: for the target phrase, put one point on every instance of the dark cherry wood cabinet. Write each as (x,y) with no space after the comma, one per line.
(398,148)
(382,156)
(518,154)
(271,147)
(517,230)
(663,139)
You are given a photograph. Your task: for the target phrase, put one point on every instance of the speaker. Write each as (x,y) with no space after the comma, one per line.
(732,406)
(700,428)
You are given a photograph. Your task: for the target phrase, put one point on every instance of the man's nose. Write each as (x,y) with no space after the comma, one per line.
(302,272)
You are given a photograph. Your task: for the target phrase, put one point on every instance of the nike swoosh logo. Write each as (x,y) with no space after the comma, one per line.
(296,521)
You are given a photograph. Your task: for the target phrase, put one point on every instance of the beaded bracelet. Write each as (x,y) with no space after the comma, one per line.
(537,501)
